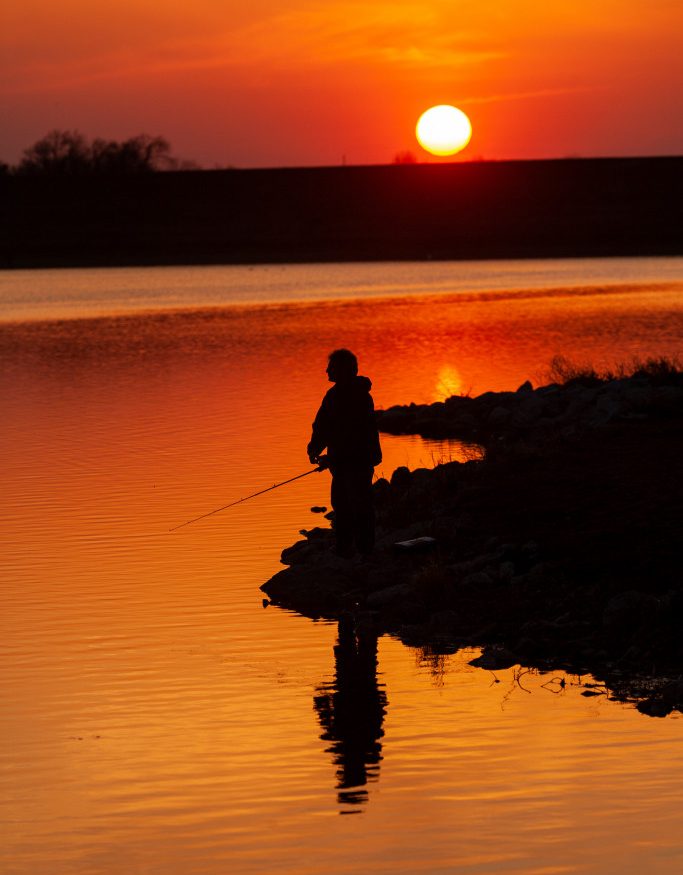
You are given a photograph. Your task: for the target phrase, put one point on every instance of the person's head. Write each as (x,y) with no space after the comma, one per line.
(342,365)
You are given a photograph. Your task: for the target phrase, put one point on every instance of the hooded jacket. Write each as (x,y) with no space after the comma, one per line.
(345,424)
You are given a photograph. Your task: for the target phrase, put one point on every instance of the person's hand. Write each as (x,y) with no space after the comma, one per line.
(322,463)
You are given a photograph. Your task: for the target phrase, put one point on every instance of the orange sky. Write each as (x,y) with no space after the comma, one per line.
(266,83)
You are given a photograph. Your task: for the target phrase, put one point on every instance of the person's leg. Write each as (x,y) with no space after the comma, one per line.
(343,510)
(363,508)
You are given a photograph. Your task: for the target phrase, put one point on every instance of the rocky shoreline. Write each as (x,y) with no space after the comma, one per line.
(561,548)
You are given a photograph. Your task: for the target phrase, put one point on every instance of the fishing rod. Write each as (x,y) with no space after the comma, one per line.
(320,467)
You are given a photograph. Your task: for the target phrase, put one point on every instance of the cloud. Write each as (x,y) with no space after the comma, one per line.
(528,95)
(74,44)
(391,35)
(356,32)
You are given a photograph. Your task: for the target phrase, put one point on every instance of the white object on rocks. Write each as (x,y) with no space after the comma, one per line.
(415,544)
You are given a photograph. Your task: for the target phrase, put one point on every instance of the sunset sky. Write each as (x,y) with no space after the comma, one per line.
(265,83)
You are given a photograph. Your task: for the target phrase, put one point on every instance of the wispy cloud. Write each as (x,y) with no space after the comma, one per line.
(349,32)
(528,95)
(312,37)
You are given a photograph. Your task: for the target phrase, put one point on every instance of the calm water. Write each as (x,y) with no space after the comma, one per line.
(157,719)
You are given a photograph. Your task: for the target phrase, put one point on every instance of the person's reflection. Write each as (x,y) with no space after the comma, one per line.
(351,709)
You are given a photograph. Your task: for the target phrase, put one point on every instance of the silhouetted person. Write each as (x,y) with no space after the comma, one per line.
(351,710)
(345,425)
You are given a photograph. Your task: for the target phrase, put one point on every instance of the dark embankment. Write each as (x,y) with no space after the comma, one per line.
(572,207)
(562,548)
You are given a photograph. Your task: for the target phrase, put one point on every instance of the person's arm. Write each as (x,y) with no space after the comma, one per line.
(373,436)
(319,438)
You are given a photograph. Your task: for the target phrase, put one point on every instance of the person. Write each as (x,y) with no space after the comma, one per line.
(345,425)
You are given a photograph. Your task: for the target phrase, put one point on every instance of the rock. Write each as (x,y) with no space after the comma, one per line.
(390,595)
(416,545)
(495,658)
(316,534)
(396,420)
(418,494)
(421,477)
(528,412)
(298,553)
(667,400)
(655,707)
(432,427)
(525,388)
(578,399)
(443,621)
(490,399)
(416,530)
(317,555)
(627,612)
(479,563)
(404,610)
(673,692)
(445,529)
(309,591)
(498,416)
(506,571)
(381,491)
(638,399)
(478,579)
(527,647)
(401,477)
(457,403)
(607,409)
(381,577)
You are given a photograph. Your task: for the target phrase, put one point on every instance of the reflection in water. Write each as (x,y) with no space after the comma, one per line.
(351,710)
(435,658)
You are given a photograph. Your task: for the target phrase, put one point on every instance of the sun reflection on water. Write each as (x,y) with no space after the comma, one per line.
(449,382)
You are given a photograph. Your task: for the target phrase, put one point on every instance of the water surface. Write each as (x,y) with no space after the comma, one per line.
(42,294)
(159,719)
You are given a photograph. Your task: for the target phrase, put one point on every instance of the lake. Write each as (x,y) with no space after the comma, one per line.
(157,717)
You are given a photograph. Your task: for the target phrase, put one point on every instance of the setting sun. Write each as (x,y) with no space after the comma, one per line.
(443,130)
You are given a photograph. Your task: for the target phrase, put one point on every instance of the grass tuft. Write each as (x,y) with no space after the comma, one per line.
(657,369)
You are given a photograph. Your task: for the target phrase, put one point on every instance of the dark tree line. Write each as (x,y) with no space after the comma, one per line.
(69,153)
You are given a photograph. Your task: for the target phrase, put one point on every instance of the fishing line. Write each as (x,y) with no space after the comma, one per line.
(246,498)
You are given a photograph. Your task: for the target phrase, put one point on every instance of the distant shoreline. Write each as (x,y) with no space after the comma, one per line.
(563,208)
(48,294)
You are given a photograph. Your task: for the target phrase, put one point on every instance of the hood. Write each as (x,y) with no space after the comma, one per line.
(354,386)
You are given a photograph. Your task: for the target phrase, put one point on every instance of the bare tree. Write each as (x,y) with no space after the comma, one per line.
(58,153)
(69,153)
(405,157)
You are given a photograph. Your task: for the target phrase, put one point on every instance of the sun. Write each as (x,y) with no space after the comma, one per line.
(443,130)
